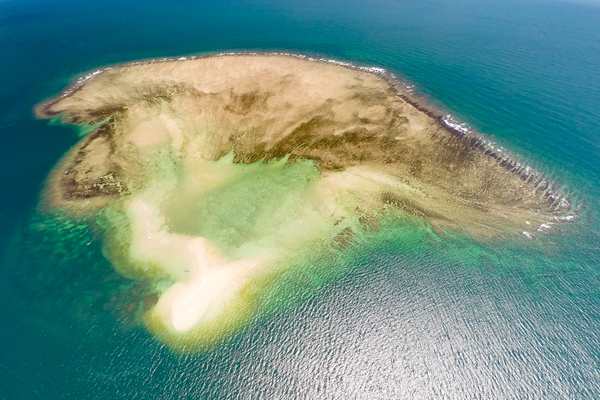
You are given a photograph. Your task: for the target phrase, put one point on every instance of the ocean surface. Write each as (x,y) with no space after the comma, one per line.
(418,316)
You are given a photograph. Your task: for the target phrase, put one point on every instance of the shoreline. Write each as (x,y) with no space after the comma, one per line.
(558,199)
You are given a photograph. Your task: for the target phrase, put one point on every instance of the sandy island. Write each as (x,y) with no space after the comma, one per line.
(214,172)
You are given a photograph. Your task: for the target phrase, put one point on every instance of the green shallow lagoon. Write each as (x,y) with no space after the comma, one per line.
(413,313)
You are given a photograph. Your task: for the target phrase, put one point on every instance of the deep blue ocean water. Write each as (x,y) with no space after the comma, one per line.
(419,316)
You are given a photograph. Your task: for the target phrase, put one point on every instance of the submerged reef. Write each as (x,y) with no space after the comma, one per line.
(211,176)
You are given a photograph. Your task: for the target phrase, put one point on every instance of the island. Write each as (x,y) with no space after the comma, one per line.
(213,176)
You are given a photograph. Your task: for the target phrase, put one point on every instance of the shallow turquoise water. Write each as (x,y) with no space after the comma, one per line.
(419,316)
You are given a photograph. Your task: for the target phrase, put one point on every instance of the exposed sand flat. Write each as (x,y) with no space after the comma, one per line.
(223,167)
(202,276)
